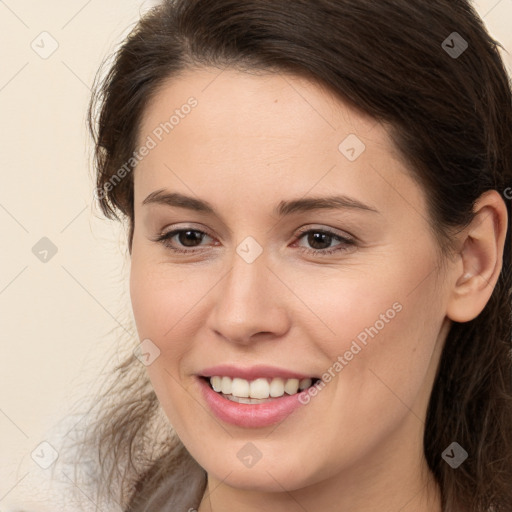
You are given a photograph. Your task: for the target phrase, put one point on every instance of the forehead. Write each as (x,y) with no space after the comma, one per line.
(228,99)
(261,132)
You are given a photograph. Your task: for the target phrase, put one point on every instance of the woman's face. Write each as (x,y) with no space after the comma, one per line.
(279,282)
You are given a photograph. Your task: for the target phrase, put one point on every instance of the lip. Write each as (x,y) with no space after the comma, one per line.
(252,373)
(248,415)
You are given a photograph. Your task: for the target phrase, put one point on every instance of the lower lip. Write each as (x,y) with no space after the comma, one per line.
(249,415)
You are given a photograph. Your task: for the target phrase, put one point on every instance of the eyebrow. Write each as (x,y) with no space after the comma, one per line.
(284,208)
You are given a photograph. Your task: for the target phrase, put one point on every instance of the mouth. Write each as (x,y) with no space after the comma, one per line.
(257,391)
(256,396)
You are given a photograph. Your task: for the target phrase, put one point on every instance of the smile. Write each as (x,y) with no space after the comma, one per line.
(260,390)
(253,397)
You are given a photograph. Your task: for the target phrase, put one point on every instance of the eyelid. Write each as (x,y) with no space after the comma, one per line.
(187,227)
(327,229)
(347,242)
(300,231)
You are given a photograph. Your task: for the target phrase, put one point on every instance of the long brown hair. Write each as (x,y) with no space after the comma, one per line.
(448,101)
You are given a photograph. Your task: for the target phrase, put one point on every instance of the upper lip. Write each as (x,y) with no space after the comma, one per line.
(252,372)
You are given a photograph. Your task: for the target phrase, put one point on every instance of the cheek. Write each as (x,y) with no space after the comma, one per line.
(160,295)
(384,317)
(166,304)
(160,303)
(386,332)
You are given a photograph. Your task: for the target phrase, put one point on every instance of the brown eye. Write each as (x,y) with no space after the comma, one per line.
(321,239)
(184,238)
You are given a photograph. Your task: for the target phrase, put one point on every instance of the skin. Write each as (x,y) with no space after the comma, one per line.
(251,142)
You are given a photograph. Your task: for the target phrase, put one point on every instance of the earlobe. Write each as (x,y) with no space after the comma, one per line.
(481,259)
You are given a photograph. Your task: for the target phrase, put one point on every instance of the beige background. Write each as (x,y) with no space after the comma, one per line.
(59,319)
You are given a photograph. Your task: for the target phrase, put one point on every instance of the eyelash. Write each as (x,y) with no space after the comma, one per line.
(165,238)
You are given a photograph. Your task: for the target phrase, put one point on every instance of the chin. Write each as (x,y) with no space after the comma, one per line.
(263,479)
(264,476)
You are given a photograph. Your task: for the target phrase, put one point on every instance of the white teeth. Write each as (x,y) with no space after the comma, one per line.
(246,400)
(225,385)
(216,383)
(240,388)
(277,387)
(305,384)
(291,387)
(259,388)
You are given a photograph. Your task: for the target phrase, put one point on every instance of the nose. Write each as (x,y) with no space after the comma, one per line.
(249,304)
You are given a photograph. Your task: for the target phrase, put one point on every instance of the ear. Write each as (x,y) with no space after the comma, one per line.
(480,260)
